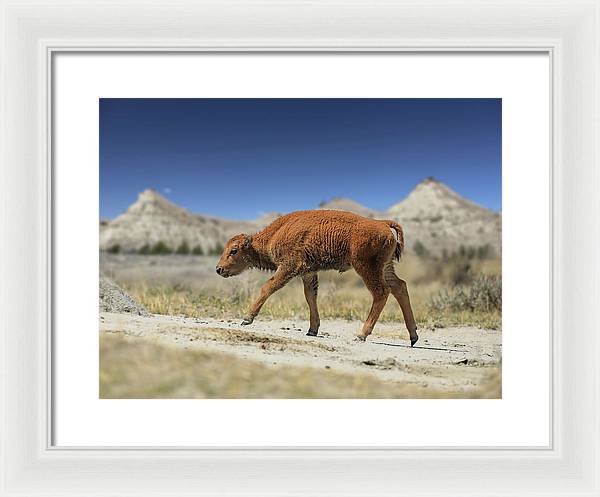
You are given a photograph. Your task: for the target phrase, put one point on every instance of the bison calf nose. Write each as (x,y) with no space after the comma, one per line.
(219,269)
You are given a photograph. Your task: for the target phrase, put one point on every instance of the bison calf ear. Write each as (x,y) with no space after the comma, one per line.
(247,241)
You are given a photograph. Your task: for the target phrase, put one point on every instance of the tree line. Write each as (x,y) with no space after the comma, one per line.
(464,252)
(161,248)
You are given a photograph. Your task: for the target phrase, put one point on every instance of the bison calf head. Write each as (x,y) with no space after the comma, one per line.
(234,258)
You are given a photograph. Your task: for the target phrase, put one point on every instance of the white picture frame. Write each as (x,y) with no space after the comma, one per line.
(569,31)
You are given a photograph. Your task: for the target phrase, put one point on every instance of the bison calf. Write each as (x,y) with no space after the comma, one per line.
(304,242)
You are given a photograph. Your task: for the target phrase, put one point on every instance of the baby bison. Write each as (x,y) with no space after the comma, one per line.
(304,242)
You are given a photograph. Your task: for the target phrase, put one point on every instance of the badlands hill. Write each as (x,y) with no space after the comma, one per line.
(346,204)
(440,219)
(433,216)
(152,218)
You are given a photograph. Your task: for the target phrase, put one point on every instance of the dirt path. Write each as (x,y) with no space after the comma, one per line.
(460,358)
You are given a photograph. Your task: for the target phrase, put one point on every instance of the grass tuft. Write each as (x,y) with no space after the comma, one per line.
(483,294)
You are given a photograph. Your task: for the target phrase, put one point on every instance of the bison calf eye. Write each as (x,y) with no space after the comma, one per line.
(233,252)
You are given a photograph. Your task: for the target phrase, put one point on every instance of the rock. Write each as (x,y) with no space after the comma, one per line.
(390,362)
(112,298)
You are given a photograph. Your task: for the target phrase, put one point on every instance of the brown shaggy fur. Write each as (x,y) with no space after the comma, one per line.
(305,242)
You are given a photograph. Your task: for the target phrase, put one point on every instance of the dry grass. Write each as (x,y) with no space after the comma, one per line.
(138,368)
(482,294)
(340,295)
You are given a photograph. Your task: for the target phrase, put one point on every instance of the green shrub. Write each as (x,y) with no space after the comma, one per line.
(160,248)
(460,273)
(484,293)
(484,251)
(198,250)
(144,250)
(114,249)
(183,249)
(217,249)
(470,252)
(420,249)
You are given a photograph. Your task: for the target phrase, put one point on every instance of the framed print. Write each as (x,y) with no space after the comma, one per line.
(244,246)
(449,255)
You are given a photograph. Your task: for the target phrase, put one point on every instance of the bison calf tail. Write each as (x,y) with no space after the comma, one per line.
(399,234)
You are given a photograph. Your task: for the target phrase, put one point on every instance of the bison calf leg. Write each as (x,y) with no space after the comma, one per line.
(274,283)
(373,278)
(400,292)
(311,285)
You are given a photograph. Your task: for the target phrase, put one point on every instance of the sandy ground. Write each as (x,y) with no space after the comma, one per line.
(459,358)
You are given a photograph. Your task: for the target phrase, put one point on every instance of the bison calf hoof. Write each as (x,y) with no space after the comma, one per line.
(413,340)
(247,321)
(311,333)
(359,338)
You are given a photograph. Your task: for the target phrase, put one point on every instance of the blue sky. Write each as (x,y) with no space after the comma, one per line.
(238,158)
